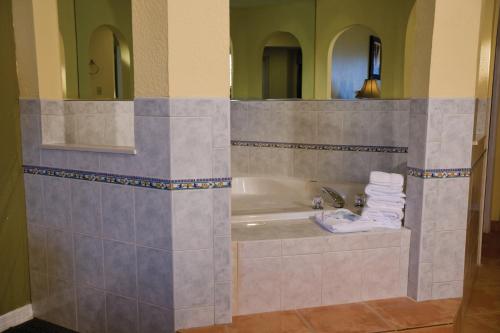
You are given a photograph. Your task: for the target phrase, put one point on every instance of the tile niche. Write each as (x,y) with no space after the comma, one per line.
(88,125)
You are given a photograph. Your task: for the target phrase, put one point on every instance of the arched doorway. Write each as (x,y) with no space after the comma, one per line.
(282,67)
(109,64)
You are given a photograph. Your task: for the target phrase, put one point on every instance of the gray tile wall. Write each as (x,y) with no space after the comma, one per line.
(107,258)
(107,123)
(369,122)
(440,138)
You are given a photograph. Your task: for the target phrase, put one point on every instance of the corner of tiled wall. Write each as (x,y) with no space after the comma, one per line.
(437,206)
(106,256)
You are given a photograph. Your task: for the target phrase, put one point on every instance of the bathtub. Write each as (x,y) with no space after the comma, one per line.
(265,199)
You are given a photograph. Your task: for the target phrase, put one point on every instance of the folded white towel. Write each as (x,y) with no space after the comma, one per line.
(385,202)
(384,178)
(380,190)
(343,221)
(383,215)
(389,224)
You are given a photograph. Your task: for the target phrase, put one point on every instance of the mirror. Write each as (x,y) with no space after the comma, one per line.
(319,49)
(96,49)
(282,67)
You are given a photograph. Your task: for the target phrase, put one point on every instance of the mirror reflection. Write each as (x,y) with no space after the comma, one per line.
(319,49)
(96,49)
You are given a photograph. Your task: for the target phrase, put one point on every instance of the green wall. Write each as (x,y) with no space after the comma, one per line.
(14,276)
(316,24)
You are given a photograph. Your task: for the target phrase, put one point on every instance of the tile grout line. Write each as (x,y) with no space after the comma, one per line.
(390,324)
(305,321)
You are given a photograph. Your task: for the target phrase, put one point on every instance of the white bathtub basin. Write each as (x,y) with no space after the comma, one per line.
(261,199)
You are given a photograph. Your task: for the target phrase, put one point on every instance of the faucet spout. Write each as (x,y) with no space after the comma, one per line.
(334,198)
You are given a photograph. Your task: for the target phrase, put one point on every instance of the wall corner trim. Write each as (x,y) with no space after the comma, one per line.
(16,317)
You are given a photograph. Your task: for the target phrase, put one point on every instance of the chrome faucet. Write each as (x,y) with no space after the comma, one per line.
(334,198)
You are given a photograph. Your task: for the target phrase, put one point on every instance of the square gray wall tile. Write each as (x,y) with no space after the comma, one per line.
(60,254)
(193,279)
(86,161)
(153,218)
(120,268)
(118,212)
(155,277)
(222,211)
(121,314)
(192,220)
(39,284)
(56,202)
(154,319)
(222,259)
(62,303)
(86,207)
(54,158)
(37,245)
(31,138)
(223,308)
(191,140)
(91,310)
(34,199)
(194,317)
(89,262)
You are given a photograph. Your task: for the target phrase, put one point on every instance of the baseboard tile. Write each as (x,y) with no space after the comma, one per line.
(16,317)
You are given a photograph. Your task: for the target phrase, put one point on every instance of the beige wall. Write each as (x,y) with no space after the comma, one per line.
(66,11)
(25,47)
(150,35)
(455,48)
(195,67)
(37,48)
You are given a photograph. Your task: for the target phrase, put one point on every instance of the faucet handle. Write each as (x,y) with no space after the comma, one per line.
(317,203)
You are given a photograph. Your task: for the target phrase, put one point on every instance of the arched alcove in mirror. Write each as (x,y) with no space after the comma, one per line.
(355,57)
(281,67)
(96,49)
(108,65)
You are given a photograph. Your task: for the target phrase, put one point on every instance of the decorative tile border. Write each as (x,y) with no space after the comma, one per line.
(314,146)
(159,184)
(439,173)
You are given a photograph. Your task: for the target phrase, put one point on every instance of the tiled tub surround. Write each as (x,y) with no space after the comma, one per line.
(115,258)
(325,140)
(440,138)
(80,124)
(302,266)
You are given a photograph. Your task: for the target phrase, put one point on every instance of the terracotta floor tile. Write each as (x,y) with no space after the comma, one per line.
(344,318)
(211,329)
(484,299)
(435,329)
(405,313)
(482,323)
(274,322)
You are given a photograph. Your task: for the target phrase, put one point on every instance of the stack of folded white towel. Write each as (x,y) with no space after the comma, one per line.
(385,199)
(383,209)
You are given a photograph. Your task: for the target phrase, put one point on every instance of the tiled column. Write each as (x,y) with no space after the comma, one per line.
(440,146)
(438,190)
(198,91)
(199,134)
